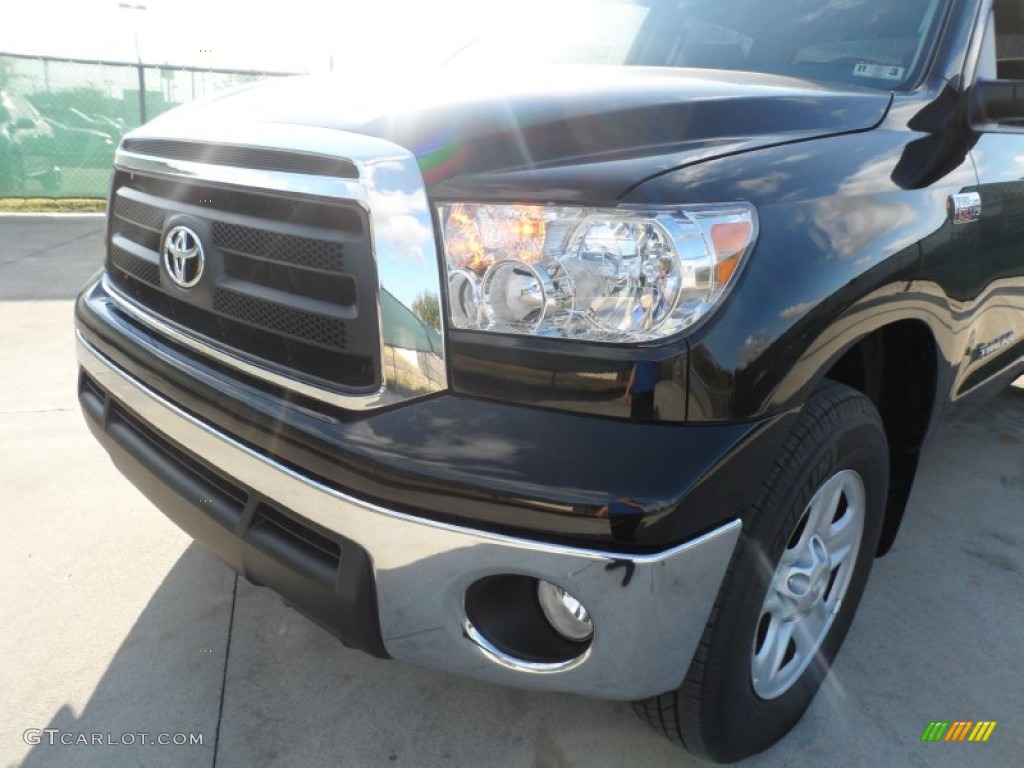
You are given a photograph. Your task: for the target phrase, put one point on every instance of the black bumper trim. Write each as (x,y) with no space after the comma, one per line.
(322,574)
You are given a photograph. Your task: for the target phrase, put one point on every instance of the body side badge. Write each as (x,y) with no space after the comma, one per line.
(964,208)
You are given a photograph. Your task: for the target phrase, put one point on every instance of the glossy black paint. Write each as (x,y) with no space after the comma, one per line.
(856,247)
(584,135)
(855,236)
(993,285)
(545,474)
(841,242)
(850,187)
(583,378)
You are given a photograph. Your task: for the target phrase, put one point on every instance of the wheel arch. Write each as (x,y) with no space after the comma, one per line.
(897,367)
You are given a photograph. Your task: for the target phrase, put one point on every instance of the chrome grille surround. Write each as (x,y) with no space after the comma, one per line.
(390,191)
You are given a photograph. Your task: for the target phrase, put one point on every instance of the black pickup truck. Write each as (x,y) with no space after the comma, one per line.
(608,374)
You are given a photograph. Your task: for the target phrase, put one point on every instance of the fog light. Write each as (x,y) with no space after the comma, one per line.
(564,612)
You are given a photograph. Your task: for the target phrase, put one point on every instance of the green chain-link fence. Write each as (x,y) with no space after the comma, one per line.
(61,119)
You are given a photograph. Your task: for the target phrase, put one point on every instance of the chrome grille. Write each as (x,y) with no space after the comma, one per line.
(282,277)
(320,252)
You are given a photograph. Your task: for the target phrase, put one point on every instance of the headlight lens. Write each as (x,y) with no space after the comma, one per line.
(599,274)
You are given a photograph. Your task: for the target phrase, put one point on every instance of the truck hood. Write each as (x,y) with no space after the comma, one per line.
(564,135)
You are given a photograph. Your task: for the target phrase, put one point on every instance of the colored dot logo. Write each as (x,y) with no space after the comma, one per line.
(959,730)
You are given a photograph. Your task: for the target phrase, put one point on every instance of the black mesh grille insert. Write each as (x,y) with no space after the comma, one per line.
(306,252)
(137,212)
(330,367)
(330,287)
(307,326)
(135,266)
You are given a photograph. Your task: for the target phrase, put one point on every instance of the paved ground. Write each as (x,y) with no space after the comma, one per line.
(112,622)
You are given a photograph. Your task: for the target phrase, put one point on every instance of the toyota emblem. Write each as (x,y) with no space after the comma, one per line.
(183,256)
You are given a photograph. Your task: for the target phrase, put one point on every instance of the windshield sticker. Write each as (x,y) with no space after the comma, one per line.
(879,71)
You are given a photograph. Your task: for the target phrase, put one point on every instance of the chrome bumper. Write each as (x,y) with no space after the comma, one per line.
(647,627)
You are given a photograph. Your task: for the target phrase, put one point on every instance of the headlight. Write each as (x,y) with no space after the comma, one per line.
(600,274)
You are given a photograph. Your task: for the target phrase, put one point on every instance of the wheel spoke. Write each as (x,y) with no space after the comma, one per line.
(844,538)
(773,651)
(824,506)
(781,645)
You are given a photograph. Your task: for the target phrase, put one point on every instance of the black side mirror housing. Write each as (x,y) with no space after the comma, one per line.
(997,103)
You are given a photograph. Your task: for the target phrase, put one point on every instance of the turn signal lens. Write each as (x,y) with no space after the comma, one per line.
(730,240)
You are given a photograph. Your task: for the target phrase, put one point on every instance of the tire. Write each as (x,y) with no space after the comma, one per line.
(785,606)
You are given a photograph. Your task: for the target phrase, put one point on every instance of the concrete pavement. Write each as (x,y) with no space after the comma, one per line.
(113,623)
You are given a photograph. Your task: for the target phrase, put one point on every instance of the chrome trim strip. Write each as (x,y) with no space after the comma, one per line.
(391,191)
(222,355)
(519,665)
(274,181)
(646,629)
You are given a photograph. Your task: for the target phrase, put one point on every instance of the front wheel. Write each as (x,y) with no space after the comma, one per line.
(792,588)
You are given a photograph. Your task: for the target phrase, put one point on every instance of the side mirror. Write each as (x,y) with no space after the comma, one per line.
(997,102)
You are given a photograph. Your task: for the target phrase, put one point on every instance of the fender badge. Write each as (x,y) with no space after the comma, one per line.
(964,208)
(982,351)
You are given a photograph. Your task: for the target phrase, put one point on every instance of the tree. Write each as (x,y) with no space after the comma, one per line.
(428,309)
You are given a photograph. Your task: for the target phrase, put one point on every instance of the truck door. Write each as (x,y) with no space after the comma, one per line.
(996,339)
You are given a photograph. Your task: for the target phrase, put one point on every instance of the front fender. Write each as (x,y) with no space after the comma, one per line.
(839,252)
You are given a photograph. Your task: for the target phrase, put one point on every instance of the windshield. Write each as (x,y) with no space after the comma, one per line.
(873,43)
